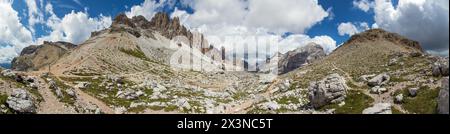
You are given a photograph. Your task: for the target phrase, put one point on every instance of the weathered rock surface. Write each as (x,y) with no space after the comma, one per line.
(440,67)
(379,108)
(21,101)
(379,80)
(332,89)
(443,97)
(299,57)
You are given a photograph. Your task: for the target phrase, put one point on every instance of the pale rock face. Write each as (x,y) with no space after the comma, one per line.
(440,67)
(21,101)
(332,89)
(296,58)
(379,108)
(379,80)
(443,97)
(271,106)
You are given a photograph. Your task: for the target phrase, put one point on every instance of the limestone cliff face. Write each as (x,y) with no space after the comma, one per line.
(300,57)
(38,56)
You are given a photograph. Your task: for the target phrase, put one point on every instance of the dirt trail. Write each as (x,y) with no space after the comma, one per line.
(86,98)
(243,108)
(51,104)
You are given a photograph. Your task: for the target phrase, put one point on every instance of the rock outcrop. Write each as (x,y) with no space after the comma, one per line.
(440,67)
(379,108)
(376,34)
(331,89)
(35,57)
(291,60)
(20,101)
(443,97)
(300,57)
(379,80)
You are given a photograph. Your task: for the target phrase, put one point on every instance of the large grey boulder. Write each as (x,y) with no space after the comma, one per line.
(8,73)
(443,97)
(440,67)
(379,108)
(21,101)
(379,80)
(332,89)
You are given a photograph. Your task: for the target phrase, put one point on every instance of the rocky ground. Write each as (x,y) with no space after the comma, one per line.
(127,69)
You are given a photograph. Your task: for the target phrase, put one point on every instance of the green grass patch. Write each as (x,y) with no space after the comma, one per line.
(136,53)
(287,100)
(424,103)
(3,98)
(396,111)
(355,103)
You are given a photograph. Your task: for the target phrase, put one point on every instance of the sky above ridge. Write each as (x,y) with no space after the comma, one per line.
(297,22)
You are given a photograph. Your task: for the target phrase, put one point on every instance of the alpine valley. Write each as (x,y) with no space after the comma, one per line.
(127,69)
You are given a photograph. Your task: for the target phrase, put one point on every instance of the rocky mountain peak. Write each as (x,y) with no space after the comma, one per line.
(380,34)
(36,56)
(124,20)
(160,21)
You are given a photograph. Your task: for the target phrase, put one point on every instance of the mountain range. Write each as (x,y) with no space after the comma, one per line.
(142,66)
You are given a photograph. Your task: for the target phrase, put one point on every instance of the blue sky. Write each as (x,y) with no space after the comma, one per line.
(343,11)
(326,22)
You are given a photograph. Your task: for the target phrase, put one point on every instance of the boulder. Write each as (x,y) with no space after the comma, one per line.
(399,99)
(379,80)
(20,101)
(271,106)
(379,108)
(443,97)
(413,91)
(440,67)
(8,73)
(332,89)
(71,92)
(59,93)
(83,85)
(365,78)
(183,103)
(378,90)
(127,94)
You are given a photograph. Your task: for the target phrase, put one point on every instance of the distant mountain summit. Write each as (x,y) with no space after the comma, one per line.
(121,47)
(38,56)
(291,60)
(380,34)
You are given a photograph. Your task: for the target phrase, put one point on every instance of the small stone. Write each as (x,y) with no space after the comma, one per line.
(413,92)
(399,99)
(341,104)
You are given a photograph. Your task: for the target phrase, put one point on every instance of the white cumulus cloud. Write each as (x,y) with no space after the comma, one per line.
(426,21)
(349,28)
(68,28)
(147,9)
(13,36)
(364,5)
